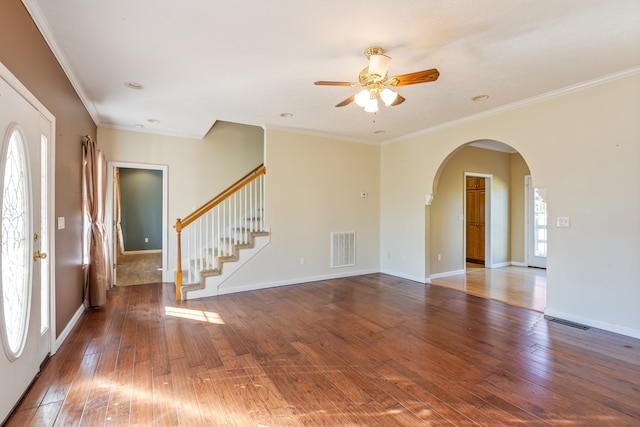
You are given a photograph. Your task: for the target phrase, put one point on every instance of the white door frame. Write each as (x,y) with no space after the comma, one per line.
(110,209)
(488,246)
(13,81)
(39,125)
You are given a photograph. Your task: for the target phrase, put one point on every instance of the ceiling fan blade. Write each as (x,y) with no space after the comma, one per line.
(415,78)
(325,83)
(399,100)
(347,101)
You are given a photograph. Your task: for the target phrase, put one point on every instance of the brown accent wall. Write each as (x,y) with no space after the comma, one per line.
(26,54)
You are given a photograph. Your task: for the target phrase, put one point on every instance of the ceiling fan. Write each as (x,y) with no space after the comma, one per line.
(375,82)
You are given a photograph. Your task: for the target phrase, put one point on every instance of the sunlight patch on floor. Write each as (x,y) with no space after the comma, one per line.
(199,315)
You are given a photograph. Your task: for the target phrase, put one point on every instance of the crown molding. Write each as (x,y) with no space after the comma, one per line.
(318,134)
(39,19)
(515,105)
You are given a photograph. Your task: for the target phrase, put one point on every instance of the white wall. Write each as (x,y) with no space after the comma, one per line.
(584,147)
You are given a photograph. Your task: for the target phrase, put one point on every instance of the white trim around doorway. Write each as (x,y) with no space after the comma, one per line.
(109,214)
(488,247)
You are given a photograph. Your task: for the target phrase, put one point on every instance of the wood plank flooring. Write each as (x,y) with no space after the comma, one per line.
(371,350)
(519,286)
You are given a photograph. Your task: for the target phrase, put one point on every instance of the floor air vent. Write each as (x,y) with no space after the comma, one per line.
(343,249)
(568,323)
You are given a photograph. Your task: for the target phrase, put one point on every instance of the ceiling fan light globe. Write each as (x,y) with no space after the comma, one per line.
(362,98)
(378,66)
(388,96)
(372,106)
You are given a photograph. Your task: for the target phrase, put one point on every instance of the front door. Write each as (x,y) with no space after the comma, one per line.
(24,284)
(536,215)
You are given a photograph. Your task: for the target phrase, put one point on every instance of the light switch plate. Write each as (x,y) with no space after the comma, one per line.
(61,224)
(563,222)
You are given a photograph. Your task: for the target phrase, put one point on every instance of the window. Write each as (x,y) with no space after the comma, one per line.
(540,223)
(15,260)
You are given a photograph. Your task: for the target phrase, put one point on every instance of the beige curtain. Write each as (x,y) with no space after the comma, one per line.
(94,183)
(119,238)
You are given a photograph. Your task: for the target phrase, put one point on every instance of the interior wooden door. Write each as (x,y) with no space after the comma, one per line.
(475,219)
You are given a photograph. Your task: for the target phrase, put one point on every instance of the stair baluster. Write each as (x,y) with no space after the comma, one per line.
(215,230)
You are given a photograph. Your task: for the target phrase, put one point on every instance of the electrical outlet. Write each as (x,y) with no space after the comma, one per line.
(439,257)
(146,240)
(301,260)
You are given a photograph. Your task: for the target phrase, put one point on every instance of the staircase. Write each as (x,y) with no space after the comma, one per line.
(216,239)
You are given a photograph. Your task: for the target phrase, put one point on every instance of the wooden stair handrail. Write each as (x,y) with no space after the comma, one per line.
(224,195)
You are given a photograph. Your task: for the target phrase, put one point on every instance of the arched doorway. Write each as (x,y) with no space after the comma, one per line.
(498,269)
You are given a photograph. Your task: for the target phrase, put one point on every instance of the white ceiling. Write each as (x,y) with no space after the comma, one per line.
(248,61)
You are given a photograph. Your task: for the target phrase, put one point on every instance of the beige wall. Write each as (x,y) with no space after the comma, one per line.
(582,147)
(447,208)
(519,170)
(26,54)
(197,169)
(313,188)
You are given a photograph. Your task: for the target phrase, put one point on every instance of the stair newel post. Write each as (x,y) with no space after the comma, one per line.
(178,228)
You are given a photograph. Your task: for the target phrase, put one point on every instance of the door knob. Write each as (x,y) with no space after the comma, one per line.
(39,255)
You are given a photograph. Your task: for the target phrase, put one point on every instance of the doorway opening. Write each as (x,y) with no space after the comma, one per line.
(476,227)
(137,204)
(477,214)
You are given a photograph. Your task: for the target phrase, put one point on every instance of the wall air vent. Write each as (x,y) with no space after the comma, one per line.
(343,249)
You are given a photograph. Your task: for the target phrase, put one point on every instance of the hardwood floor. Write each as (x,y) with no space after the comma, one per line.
(519,286)
(371,350)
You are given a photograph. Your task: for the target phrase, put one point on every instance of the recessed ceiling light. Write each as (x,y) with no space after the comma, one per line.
(480,98)
(139,125)
(286,115)
(378,132)
(134,85)
(153,120)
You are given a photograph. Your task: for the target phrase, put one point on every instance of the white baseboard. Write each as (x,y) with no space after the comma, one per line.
(67,330)
(446,274)
(406,276)
(143,251)
(519,264)
(302,280)
(501,264)
(298,281)
(622,330)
